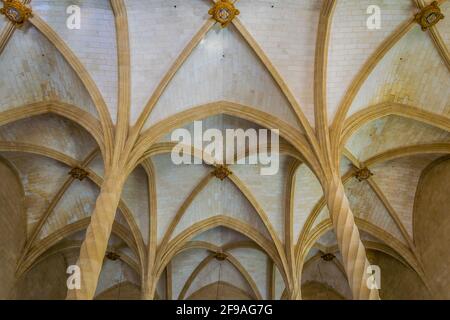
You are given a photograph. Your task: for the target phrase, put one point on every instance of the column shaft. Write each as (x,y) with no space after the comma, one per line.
(349,241)
(94,247)
(149,290)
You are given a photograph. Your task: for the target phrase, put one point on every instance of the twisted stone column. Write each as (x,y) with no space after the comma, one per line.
(149,289)
(349,241)
(295,293)
(94,247)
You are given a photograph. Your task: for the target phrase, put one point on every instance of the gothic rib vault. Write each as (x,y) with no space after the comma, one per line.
(364,120)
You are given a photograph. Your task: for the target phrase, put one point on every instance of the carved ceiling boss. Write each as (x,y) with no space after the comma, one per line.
(16,11)
(224,12)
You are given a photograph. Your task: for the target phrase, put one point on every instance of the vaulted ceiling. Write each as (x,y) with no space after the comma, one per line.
(387,90)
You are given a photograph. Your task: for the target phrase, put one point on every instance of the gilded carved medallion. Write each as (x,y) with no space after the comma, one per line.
(113,256)
(224,12)
(220,256)
(78,173)
(16,11)
(363,174)
(328,257)
(429,16)
(221,172)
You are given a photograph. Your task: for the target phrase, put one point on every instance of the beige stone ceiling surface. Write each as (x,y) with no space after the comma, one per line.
(40,74)
(94,44)
(351,42)
(398,123)
(155,41)
(445,26)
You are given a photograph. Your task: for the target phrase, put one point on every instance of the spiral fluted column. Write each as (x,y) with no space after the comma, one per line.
(294,289)
(295,293)
(349,241)
(149,288)
(94,247)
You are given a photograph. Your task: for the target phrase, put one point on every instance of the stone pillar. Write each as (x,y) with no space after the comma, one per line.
(94,247)
(349,241)
(295,293)
(149,288)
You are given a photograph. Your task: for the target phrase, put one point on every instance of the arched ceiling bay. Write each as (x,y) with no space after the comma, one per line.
(51,132)
(220,198)
(183,266)
(366,205)
(94,43)
(32,71)
(329,273)
(286,31)
(390,133)
(411,73)
(216,271)
(38,192)
(226,69)
(352,43)
(159,31)
(77,203)
(395,179)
